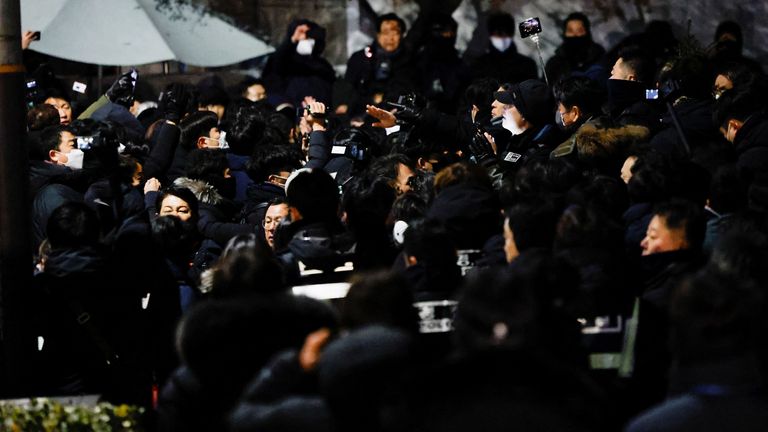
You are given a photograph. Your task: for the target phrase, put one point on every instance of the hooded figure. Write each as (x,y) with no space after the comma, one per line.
(296,69)
(442,74)
(577,52)
(728,47)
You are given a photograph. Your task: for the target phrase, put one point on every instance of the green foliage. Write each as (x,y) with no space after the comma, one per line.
(48,416)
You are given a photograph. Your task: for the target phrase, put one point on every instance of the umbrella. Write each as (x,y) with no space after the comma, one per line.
(134,32)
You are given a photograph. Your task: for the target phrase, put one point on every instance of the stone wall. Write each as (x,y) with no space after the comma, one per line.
(269,19)
(349,27)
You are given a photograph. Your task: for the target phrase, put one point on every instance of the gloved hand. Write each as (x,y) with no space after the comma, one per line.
(482,149)
(409,108)
(121,91)
(175,101)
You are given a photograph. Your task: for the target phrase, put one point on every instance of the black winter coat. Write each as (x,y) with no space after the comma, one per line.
(498,390)
(282,394)
(752,144)
(695,118)
(79,298)
(371,71)
(295,76)
(317,245)
(470,213)
(505,67)
(163,145)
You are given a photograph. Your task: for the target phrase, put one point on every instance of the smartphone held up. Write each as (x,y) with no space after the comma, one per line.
(530,27)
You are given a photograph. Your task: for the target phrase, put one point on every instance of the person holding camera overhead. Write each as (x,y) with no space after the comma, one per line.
(297,69)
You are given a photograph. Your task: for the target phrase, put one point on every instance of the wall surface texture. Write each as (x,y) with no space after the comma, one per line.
(349,22)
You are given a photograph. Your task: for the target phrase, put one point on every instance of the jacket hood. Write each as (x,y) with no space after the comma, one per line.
(470,212)
(204,192)
(605,147)
(317,245)
(752,132)
(64,262)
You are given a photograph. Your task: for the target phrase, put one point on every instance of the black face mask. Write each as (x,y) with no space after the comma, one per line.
(576,48)
(727,49)
(622,93)
(441,47)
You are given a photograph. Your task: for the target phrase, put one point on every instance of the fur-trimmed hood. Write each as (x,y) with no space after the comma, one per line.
(599,146)
(204,192)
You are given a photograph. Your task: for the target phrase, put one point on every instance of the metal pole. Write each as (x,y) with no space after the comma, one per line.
(15,253)
(100,85)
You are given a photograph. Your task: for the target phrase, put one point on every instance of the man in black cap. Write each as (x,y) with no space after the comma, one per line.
(527,111)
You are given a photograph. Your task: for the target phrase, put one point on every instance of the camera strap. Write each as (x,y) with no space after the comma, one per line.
(85,321)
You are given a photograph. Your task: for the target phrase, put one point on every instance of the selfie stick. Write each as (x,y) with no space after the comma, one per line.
(535,39)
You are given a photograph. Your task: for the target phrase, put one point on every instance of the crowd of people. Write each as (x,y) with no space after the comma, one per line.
(585,252)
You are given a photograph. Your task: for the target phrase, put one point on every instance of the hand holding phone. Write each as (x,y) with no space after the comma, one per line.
(28,37)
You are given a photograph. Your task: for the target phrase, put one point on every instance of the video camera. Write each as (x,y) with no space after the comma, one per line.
(409,108)
(351,143)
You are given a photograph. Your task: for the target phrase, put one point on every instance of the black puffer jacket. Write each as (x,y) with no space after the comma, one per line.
(695,118)
(752,144)
(317,245)
(470,213)
(79,299)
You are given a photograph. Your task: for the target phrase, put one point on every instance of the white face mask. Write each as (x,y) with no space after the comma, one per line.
(305,46)
(398,231)
(501,43)
(75,159)
(509,123)
(223,144)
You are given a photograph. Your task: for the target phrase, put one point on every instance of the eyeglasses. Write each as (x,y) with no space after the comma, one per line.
(268,221)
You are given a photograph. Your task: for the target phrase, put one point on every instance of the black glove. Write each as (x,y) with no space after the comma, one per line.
(175,101)
(409,108)
(121,91)
(481,149)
